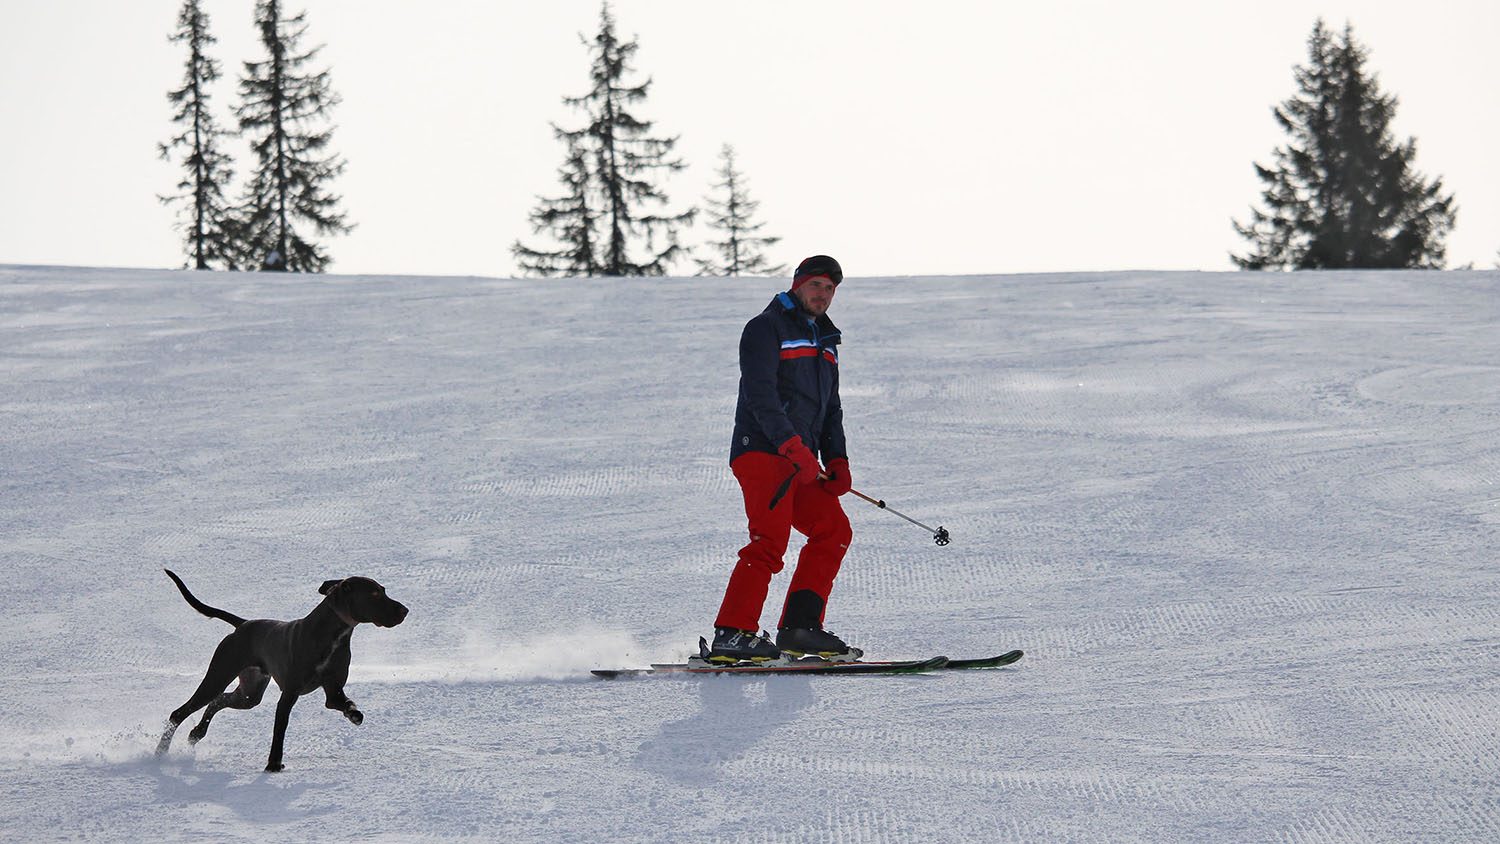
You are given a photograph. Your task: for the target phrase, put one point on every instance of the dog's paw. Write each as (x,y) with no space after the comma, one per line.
(275,768)
(355,716)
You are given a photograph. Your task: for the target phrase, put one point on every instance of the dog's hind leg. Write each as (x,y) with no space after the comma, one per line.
(166,739)
(221,671)
(246,695)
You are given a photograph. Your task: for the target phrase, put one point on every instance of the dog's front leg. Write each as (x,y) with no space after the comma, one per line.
(335,675)
(278,734)
(340,702)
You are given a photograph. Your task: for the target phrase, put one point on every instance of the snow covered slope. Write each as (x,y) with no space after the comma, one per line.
(1245,527)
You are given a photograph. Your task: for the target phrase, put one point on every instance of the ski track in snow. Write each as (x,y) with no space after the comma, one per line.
(1244,526)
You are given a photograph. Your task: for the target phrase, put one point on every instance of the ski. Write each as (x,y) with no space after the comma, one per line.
(817,665)
(987,662)
(800,666)
(996,661)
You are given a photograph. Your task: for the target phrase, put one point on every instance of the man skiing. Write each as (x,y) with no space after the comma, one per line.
(788,415)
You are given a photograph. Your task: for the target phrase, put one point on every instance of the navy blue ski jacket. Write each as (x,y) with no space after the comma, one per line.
(789,383)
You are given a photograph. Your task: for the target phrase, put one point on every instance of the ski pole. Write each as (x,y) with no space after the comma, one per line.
(940,536)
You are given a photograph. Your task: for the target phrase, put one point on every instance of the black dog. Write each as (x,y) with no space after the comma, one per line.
(299,655)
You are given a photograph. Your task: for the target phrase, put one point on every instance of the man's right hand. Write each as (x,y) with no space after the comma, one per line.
(802,457)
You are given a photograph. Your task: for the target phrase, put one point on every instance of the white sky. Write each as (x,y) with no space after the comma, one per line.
(900,137)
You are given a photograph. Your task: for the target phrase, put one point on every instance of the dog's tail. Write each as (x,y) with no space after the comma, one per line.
(211,612)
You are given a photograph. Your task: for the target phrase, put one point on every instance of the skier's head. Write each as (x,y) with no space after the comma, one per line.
(817,265)
(814,282)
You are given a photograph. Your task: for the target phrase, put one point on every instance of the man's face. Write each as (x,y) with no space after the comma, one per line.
(816,294)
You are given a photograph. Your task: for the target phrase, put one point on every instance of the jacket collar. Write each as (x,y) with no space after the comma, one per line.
(787,304)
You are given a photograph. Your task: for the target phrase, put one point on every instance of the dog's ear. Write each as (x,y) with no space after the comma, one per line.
(328,586)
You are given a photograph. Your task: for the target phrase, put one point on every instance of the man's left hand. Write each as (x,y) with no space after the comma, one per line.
(838,481)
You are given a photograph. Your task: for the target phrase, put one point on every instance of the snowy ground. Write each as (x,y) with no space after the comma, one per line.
(1245,527)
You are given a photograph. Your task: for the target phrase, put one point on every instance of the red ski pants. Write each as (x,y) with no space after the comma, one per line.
(808,508)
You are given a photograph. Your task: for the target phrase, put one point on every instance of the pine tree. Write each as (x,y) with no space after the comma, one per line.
(733,215)
(208,218)
(620,158)
(571,218)
(280,102)
(1343,193)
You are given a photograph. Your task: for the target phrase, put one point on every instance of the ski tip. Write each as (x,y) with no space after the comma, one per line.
(616,673)
(998,661)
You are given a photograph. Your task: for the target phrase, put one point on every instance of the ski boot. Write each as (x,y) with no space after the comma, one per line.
(815,641)
(731,646)
(801,630)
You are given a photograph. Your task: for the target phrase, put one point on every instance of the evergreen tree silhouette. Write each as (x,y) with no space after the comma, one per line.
(733,215)
(619,198)
(208,218)
(281,107)
(571,218)
(1343,193)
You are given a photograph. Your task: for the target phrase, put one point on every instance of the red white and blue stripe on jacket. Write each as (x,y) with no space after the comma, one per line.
(793,349)
(789,382)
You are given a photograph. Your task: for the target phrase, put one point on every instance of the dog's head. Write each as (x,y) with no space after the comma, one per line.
(364,600)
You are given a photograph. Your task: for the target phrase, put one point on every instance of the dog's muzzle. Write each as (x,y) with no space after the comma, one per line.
(392,616)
